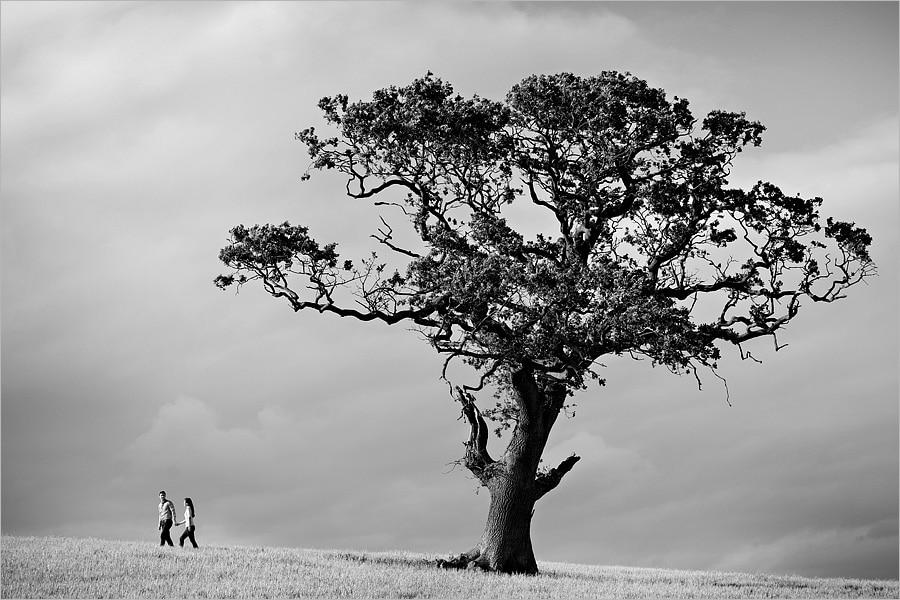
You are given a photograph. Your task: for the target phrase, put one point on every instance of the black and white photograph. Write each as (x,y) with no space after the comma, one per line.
(399,299)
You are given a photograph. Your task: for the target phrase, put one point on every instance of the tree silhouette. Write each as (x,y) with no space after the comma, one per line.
(644,250)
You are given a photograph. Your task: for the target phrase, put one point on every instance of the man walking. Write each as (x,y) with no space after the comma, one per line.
(166,518)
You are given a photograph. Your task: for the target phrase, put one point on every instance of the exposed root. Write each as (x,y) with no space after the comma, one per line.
(466,560)
(473,560)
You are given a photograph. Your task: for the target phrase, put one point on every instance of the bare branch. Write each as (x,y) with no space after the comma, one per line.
(385,236)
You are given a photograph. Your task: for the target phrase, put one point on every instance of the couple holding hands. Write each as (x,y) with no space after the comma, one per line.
(167,519)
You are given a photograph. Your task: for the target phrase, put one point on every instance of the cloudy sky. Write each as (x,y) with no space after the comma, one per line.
(134,135)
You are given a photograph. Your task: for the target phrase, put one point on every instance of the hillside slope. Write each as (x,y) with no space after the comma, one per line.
(53,567)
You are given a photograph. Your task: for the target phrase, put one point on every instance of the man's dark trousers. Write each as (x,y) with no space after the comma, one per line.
(164,537)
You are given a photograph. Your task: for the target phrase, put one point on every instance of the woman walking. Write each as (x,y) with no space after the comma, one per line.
(189,522)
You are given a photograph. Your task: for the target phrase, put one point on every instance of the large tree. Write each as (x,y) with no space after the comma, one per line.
(633,244)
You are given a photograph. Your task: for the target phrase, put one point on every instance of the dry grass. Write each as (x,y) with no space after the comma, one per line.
(92,568)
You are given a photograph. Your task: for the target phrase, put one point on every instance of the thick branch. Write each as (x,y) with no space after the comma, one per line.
(549,480)
(364,193)
(417,316)
(735,283)
(477,459)
(527,394)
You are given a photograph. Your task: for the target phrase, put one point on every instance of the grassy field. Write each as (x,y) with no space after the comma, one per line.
(92,568)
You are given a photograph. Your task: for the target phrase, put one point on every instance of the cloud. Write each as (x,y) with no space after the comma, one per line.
(817,552)
(621,469)
(185,438)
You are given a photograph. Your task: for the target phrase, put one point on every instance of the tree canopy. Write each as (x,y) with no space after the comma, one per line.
(645,250)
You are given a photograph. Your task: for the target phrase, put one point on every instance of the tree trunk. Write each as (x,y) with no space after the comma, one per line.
(506,541)
(513,481)
(505,544)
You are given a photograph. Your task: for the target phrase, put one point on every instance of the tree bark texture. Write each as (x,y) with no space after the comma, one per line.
(514,483)
(505,544)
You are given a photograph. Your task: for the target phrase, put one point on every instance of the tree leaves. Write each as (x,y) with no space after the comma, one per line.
(640,222)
